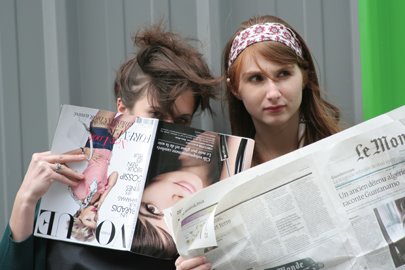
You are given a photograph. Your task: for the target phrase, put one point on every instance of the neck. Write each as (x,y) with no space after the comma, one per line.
(273,142)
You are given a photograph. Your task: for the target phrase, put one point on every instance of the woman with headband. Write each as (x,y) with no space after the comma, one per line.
(273,95)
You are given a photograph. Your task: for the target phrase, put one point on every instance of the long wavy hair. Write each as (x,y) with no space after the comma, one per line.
(321,117)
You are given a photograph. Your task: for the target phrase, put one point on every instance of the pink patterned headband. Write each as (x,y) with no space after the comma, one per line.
(264,32)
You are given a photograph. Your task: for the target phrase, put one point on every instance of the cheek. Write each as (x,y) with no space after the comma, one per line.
(138,111)
(157,191)
(252,100)
(294,90)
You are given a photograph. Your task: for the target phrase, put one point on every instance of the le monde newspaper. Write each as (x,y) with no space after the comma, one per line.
(335,204)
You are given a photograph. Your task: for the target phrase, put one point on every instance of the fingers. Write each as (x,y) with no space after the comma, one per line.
(46,168)
(76,151)
(67,174)
(70,178)
(54,166)
(196,263)
(58,167)
(62,158)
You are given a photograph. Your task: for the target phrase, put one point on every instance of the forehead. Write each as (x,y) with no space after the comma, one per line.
(185,103)
(258,62)
(272,51)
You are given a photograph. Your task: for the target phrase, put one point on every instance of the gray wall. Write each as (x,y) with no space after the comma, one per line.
(66,51)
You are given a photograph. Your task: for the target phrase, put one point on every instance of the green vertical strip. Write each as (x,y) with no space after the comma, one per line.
(382,55)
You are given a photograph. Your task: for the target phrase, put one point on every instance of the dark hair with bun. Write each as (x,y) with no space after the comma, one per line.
(165,66)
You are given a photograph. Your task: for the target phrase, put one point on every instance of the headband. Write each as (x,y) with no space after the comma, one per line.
(264,32)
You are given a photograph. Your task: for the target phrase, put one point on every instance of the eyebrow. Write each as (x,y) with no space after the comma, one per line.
(251,72)
(255,71)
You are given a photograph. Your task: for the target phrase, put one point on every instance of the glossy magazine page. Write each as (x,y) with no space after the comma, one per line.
(184,160)
(102,209)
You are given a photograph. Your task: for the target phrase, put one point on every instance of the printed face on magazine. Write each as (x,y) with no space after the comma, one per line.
(89,216)
(183,109)
(164,191)
(271,92)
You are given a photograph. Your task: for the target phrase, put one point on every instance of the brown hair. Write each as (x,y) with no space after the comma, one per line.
(165,66)
(321,117)
(150,241)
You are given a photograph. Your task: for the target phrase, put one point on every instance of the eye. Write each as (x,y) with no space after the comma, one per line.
(152,209)
(156,114)
(185,120)
(283,73)
(256,78)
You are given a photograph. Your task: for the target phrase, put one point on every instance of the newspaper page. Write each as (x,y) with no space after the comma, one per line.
(336,204)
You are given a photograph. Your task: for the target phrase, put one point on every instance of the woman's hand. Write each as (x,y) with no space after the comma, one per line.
(43,170)
(196,263)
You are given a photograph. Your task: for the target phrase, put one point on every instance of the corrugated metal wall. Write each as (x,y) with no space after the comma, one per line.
(66,51)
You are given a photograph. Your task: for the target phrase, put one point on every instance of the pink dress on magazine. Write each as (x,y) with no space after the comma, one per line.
(96,180)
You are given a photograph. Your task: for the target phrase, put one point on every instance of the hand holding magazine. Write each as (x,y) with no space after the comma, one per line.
(338,203)
(135,168)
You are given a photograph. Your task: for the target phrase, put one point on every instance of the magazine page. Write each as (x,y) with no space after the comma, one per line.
(102,209)
(184,160)
(335,204)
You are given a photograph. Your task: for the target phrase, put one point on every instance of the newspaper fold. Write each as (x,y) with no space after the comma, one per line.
(335,204)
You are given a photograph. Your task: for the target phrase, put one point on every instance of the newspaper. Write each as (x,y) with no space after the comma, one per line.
(335,204)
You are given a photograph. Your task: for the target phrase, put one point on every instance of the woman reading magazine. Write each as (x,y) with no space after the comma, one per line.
(140,89)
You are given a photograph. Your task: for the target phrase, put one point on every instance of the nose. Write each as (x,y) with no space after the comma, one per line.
(177,197)
(272,90)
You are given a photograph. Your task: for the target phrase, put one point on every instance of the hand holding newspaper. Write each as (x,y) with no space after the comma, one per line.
(336,204)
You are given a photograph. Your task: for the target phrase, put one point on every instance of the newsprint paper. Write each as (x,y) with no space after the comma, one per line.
(336,204)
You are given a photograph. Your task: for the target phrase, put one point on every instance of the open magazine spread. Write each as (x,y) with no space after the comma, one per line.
(335,204)
(135,168)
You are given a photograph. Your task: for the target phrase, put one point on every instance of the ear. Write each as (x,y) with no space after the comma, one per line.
(120,106)
(230,88)
(236,94)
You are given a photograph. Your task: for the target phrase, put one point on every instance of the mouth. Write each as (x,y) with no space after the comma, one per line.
(189,188)
(274,109)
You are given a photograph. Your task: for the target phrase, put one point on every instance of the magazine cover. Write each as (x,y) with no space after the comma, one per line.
(135,168)
(102,209)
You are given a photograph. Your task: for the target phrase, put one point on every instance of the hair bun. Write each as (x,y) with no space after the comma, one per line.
(156,36)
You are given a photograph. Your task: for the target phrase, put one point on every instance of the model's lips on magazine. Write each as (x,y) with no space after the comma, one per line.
(187,186)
